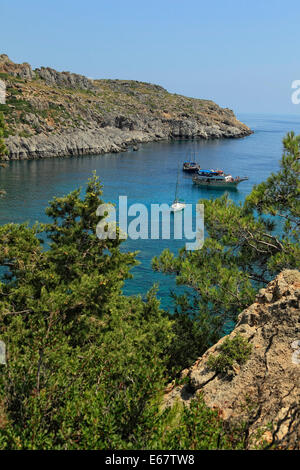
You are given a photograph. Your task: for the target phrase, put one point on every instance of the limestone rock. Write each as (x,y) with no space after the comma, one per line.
(73,143)
(64,79)
(266,389)
(50,111)
(17,70)
(2,92)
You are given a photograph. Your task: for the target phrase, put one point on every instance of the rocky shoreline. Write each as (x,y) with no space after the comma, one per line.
(98,141)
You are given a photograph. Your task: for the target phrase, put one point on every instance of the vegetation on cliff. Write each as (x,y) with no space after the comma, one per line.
(252,375)
(45,101)
(235,350)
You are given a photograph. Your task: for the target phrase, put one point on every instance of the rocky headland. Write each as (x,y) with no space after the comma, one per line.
(264,392)
(50,113)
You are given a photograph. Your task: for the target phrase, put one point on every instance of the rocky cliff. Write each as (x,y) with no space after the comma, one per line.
(264,392)
(50,113)
(2,92)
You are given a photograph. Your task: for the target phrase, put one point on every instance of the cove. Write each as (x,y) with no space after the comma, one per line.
(147,176)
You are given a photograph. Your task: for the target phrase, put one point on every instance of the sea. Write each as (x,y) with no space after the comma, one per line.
(148,176)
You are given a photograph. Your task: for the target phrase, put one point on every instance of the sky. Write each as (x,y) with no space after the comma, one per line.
(242,54)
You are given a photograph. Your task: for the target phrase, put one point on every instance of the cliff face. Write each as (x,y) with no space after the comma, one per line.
(2,92)
(265,391)
(52,113)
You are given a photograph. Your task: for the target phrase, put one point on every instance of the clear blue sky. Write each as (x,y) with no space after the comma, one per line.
(243,54)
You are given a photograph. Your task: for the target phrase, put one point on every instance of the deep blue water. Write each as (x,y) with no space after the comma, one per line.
(147,176)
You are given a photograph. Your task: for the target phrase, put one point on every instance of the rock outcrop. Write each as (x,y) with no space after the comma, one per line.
(50,113)
(2,92)
(22,71)
(264,392)
(65,79)
(74,143)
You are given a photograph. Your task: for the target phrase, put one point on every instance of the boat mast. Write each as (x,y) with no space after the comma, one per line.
(176,190)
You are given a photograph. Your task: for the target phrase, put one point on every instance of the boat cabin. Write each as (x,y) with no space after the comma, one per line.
(214,175)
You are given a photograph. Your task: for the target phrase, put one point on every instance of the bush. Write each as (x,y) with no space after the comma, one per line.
(194,427)
(232,350)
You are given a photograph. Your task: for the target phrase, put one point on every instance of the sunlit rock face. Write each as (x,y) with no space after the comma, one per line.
(66,114)
(266,388)
(2,92)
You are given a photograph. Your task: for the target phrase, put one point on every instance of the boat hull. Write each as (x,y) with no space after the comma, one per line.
(191,168)
(216,184)
(177,206)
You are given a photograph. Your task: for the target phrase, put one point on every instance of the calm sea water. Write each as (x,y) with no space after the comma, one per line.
(147,176)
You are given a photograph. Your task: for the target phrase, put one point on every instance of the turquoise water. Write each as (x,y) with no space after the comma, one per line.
(147,176)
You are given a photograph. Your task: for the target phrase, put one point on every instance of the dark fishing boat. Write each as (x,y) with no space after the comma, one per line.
(191,167)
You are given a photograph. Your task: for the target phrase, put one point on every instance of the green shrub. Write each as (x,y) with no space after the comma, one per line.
(24,134)
(194,427)
(232,350)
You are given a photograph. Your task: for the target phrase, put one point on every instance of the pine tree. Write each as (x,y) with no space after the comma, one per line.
(85,363)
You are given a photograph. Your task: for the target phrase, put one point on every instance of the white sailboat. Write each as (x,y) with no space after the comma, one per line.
(177,205)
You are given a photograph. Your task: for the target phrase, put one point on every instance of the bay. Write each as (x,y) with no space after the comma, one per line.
(147,176)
